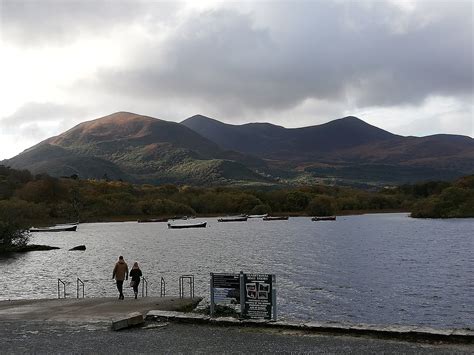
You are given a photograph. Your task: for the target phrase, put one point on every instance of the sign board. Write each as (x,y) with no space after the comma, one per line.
(225,288)
(254,292)
(258,296)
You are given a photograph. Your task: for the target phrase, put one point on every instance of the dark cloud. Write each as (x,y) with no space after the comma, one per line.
(366,53)
(263,56)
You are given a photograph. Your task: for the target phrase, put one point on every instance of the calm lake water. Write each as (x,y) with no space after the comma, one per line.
(376,269)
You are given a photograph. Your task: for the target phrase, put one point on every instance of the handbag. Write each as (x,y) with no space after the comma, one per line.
(132,283)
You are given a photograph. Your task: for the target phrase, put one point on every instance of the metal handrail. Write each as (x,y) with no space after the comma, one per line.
(191,285)
(79,281)
(163,288)
(64,288)
(144,287)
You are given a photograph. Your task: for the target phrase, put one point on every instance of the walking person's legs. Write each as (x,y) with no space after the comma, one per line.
(120,289)
(135,289)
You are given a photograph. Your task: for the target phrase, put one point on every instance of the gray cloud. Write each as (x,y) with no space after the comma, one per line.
(41,120)
(364,54)
(37,23)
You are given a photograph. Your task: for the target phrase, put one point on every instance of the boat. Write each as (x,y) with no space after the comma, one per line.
(233,219)
(152,220)
(187,225)
(275,218)
(324,218)
(257,215)
(55,229)
(67,224)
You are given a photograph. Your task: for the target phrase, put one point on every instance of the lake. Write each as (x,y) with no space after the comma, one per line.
(374,268)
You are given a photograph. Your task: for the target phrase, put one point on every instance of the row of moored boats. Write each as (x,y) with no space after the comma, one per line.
(243,219)
(72,227)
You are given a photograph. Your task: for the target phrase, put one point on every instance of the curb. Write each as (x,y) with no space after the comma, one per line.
(411,333)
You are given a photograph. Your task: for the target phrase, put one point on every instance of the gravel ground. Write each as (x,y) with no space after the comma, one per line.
(20,337)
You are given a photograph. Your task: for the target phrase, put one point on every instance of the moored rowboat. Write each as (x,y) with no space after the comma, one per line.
(324,218)
(187,225)
(275,218)
(232,219)
(55,229)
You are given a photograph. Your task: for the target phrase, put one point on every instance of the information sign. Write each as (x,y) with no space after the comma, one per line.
(258,296)
(225,288)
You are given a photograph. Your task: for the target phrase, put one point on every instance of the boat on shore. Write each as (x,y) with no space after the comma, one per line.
(275,218)
(187,225)
(233,219)
(152,220)
(324,218)
(55,229)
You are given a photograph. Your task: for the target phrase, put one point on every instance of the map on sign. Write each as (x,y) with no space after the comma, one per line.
(258,291)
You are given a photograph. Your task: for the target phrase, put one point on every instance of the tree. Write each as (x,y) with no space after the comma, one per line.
(14,228)
(321,205)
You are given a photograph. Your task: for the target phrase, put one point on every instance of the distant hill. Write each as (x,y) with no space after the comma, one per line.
(346,148)
(140,149)
(271,141)
(204,151)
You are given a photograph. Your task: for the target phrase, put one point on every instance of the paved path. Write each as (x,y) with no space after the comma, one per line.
(83,326)
(88,309)
(173,338)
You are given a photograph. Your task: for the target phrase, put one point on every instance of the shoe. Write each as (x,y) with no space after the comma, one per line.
(135,296)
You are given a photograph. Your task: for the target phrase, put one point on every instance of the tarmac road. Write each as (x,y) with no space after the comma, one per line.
(83,326)
(51,337)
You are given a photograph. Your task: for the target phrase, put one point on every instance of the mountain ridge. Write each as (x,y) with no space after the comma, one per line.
(202,150)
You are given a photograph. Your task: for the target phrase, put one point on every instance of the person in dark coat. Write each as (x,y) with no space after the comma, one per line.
(120,273)
(135,274)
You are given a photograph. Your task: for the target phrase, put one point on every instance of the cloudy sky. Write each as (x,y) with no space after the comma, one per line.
(403,65)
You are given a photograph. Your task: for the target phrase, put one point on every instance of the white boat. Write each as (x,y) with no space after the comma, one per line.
(55,229)
(257,215)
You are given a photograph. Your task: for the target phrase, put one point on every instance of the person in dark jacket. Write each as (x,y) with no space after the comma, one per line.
(135,274)
(120,274)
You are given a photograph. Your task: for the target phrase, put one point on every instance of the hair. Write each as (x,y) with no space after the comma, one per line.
(121,257)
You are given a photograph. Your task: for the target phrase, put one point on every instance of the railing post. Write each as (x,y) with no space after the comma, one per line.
(79,281)
(163,288)
(64,288)
(144,287)
(190,278)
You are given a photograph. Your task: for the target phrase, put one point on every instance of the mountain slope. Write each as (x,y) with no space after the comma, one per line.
(345,147)
(203,151)
(135,147)
(271,141)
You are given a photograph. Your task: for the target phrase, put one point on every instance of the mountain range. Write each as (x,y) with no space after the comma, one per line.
(204,151)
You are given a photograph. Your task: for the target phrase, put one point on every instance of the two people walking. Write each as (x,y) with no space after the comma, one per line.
(120,274)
